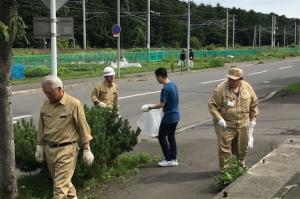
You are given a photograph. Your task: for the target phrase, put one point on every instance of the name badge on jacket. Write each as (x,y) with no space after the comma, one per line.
(231,103)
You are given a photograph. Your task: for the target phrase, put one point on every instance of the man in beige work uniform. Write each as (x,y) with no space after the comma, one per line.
(106,94)
(62,125)
(234,107)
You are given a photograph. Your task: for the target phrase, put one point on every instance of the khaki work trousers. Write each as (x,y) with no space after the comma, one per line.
(62,163)
(232,141)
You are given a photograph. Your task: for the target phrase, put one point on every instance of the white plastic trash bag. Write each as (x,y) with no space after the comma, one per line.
(251,138)
(149,123)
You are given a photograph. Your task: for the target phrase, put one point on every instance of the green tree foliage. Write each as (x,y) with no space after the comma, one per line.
(25,142)
(195,43)
(112,136)
(168,23)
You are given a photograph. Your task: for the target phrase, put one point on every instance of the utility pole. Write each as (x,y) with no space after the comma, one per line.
(299,35)
(227,28)
(284,36)
(149,26)
(84,24)
(259,35)
(53,37)
(275,29)
(149,30)
(119,38)
(254,37)
(233,31)
(295,38)
(188,35)
(272,32)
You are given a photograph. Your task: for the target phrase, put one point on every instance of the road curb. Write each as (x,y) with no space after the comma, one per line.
(269,175)
(269,96)
(39,90)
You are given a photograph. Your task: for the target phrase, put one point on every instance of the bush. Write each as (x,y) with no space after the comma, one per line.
(230,174)
(112,136)
(216,62)
(80,67)
(211,47)
(38,71)
(25,143)
(195,43)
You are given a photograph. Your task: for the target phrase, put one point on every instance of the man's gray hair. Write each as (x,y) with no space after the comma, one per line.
(54,81)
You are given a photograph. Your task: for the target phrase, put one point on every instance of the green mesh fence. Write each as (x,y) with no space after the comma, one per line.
(140,57)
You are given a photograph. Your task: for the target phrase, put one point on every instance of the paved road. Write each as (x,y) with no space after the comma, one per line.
(195,88)
(197,154)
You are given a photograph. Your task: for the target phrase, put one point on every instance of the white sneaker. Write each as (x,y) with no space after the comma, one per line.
(175,162)
(165,163)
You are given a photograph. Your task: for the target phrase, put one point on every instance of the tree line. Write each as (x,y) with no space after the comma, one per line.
(168,24)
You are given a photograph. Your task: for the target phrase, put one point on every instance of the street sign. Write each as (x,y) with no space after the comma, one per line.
(59,3)
(42,27)
(116,30)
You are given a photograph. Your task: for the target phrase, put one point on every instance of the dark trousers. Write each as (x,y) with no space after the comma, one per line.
(167,141)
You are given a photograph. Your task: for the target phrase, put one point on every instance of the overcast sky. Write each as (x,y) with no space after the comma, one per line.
(290,8)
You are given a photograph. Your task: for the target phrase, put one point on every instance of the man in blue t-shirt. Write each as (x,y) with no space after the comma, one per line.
(169,102)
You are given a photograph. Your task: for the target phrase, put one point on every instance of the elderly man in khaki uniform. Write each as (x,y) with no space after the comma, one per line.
(62,125)
(234,107)
(106,94)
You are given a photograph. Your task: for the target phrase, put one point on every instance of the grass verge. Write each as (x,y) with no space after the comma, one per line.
(289,90)
(294,88)
(170,64)
(127,165)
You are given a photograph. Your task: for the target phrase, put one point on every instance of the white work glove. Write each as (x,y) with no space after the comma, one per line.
(88,157)
(222,123)
(146,108)
(252,124)
(39,153)
(251,138)
(102,105)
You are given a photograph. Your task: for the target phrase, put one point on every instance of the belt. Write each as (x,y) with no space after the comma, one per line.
(57,145)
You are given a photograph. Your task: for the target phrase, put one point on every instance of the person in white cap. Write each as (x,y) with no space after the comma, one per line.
(234,108)
(105,94)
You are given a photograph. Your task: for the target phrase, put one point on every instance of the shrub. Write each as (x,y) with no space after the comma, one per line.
(230,174)
(172,66)
(211,47)
(111,137)
(80,67)
(38,71)
(216,62)
(25,143)
(195,43)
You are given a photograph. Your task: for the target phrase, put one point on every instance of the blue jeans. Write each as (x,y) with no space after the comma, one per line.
(167,141)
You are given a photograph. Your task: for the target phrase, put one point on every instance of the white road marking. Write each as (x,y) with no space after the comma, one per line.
(285,67)
(20,117)
(137,95)
(213,81)
(256,73)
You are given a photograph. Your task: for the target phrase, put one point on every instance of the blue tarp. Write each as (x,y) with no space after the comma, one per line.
(18,71)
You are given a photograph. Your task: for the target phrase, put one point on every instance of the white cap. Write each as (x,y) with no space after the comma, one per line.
(108,71)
